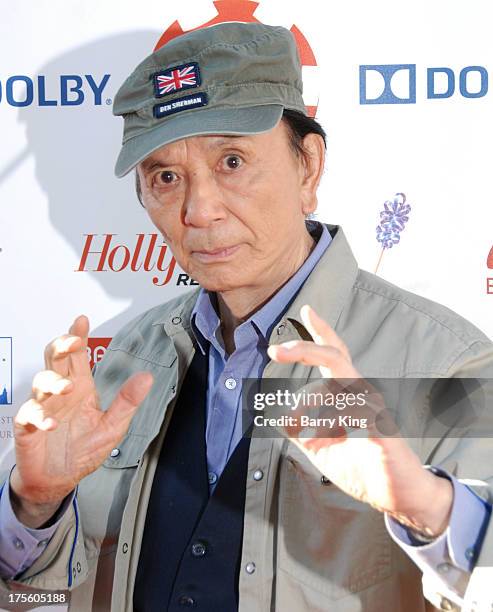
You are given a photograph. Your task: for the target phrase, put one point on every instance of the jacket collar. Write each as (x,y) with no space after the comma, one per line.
(178,318)
(326,290)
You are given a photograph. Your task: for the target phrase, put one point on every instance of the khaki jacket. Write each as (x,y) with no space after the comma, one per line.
(314,548)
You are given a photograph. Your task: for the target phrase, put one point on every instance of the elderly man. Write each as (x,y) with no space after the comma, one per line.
(169,505)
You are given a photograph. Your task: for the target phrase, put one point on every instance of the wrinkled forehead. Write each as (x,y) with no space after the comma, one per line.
(209,143)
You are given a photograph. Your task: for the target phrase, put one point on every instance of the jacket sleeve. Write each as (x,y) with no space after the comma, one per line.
(63,563)
(61,566)
(467,453)
(450,558)
(20,546)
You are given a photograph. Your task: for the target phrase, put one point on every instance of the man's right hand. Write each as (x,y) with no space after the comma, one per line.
(61,433)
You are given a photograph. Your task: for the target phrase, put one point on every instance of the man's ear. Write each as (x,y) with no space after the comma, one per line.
(313,160)
(138,187)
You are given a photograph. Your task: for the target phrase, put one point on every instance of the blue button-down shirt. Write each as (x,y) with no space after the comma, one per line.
(251,338)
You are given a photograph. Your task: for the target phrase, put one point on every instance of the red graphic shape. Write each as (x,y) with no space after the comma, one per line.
(96,348)
(243,11)
(489,261)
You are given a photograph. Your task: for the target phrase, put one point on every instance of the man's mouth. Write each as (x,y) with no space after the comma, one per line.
(212,255)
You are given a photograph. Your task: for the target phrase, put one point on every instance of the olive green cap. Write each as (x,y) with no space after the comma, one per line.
(231,78)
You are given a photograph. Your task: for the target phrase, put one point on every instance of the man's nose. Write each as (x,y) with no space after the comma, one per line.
(203,204)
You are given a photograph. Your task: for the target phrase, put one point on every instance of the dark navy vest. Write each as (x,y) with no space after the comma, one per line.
(191,547)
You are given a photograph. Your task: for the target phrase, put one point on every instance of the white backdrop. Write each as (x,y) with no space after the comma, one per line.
(56,161)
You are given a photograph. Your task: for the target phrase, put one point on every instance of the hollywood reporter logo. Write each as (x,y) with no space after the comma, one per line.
(106,253)
(397,83)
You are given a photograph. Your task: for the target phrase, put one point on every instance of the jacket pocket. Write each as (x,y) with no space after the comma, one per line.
(104,493)
(129,452)
(328,541)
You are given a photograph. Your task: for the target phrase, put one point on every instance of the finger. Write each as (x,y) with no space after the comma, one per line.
(79,361)
(31,415)
(308,353)
(312,446)
(383,425)
(131,394)
(309,434)
(67,354)
(321,332)
(58,351)
(80,327)
(48,383)
(318,443)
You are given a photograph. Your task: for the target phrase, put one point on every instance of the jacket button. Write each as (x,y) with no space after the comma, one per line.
(186,601)
(176,320)
(445,604)
(125,548)
(258,475)
(250,567)
(198,549)
(280,329)
(115,452)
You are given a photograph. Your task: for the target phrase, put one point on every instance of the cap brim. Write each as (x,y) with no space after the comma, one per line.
(228,121)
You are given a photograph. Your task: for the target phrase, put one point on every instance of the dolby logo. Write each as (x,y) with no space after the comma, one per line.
(405,83)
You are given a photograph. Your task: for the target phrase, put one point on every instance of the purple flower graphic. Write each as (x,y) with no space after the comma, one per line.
(393,219)
(395,213)
(387,236)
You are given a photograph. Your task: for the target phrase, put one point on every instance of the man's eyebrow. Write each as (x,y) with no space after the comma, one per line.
(151,164)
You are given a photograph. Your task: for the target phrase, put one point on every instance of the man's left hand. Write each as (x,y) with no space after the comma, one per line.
(382,471)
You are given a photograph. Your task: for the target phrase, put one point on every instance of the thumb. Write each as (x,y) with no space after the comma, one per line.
(131,394)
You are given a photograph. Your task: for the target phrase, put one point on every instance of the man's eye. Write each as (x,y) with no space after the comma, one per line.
(233,161)
(165,177)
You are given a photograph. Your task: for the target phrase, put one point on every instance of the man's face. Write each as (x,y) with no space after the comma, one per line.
(231,209)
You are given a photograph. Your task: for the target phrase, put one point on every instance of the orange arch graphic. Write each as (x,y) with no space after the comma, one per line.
(243,11)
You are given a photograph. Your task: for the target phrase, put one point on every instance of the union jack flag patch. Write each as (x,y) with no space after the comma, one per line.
(177,78)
